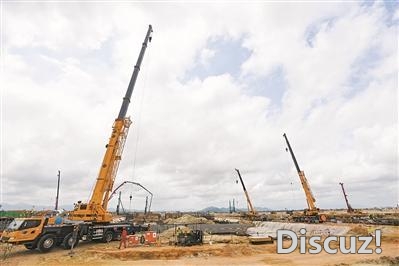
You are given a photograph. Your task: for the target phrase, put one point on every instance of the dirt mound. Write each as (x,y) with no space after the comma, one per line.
(227,239)
(359,230)
(171,253)
(171,232)
(188,219)
(385,260)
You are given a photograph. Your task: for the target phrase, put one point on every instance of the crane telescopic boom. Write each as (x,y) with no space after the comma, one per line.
(96,209)
(350,209)
(251,209)
(311,201)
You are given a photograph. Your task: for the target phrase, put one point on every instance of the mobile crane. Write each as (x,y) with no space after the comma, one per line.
(251,209)
(96,209)
(312,213)
(90,220)
(350,209)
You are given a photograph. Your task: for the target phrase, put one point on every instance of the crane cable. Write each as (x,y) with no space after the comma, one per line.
(140,110)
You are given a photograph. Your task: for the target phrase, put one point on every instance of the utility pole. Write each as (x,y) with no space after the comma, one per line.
(130,202)
(58,190)
(146,205)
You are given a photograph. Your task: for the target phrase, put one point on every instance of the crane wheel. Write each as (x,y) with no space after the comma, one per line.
(142,239)
(108,236)
(46,243)
(29,246)
(68,241)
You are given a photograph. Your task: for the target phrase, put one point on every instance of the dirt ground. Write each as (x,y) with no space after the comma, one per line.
(240,253)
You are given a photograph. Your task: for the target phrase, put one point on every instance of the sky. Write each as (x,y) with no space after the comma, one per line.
(219,85)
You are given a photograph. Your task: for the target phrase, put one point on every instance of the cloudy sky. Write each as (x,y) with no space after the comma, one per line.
(219,85)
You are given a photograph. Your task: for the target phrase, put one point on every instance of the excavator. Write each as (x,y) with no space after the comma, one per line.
(88,221)
(251,210)
(311,214)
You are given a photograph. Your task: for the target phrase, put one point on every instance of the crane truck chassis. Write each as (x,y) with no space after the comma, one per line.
(36,232)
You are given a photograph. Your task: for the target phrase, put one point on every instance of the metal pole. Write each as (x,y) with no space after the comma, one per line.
(146,205)
(58,190)
(130,202)
(119,202)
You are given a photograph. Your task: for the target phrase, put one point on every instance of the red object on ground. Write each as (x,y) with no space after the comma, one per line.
(149,237)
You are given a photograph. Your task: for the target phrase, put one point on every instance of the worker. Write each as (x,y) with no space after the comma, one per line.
(123,238)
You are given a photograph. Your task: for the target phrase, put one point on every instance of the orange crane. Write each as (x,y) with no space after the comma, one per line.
(96,209)
(251,209)
(312,213)
(91,221)
(350,209)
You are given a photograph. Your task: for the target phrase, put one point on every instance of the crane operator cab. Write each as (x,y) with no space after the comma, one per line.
(23,229)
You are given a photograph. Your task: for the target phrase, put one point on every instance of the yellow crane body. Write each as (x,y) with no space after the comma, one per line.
(311,201)
(96,209)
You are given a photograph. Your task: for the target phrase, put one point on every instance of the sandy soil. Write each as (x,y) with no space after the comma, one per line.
(215,254)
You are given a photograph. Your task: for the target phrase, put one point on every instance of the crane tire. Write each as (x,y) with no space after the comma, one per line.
(29,246)
(46,243)
(67,242)
(108,237)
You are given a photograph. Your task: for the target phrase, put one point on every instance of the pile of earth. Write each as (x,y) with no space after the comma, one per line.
(171,232)
(188,219)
